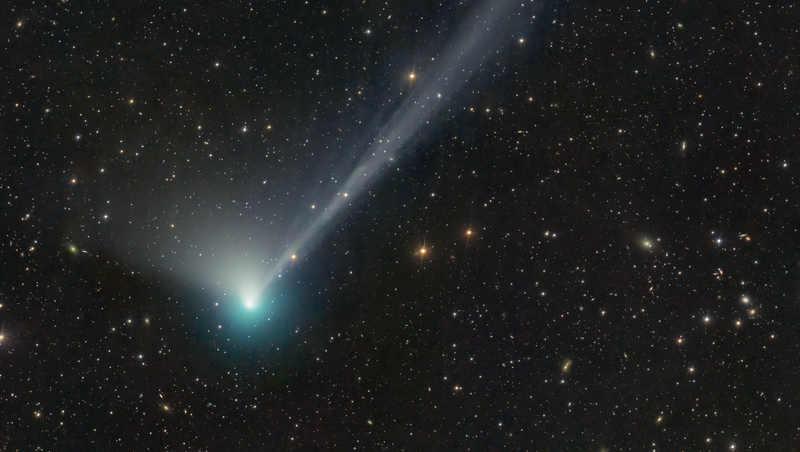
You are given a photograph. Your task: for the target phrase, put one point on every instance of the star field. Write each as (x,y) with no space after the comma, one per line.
(555,225)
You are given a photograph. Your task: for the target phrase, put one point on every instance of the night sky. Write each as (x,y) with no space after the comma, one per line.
(481,225)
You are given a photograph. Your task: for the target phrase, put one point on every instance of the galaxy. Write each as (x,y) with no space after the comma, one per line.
(480,225)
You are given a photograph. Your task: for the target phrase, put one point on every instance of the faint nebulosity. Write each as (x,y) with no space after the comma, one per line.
(482,225)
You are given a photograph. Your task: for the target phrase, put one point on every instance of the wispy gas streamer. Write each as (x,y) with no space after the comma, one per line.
(480,40)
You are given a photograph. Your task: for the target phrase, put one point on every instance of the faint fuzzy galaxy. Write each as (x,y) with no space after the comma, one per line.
(419,226)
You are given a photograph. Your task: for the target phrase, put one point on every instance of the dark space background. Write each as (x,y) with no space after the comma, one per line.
(609,212)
